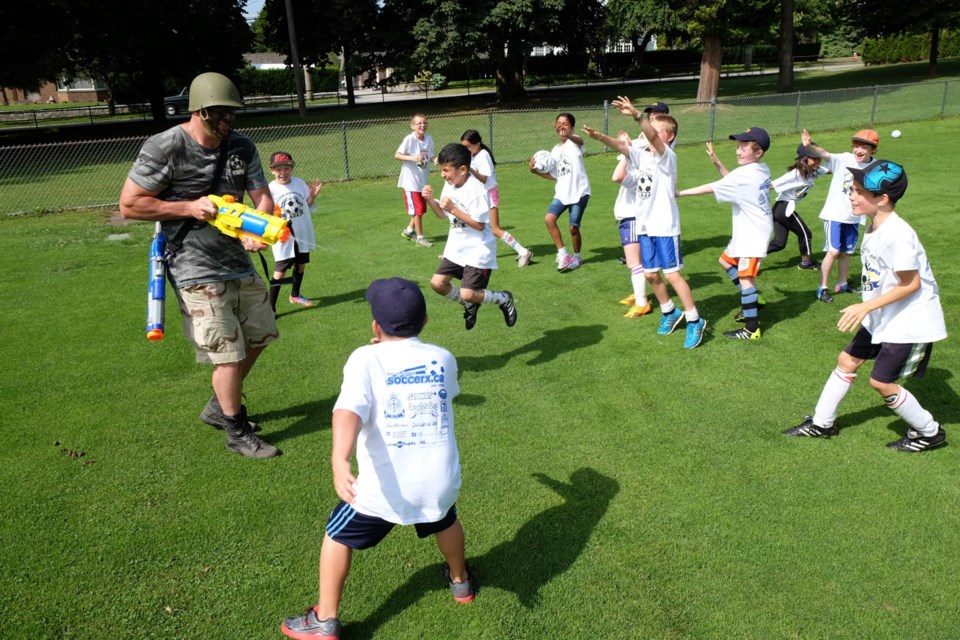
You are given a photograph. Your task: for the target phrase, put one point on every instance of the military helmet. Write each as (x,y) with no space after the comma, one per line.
(213,90)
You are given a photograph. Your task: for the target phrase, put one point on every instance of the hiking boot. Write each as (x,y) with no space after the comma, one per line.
(212,415)
(241,439)
(636,311)
(309,627)
(823,295)
(742,334)
(630,300)
(669,322)
(694,334)
(423,242)
(524,258)
(915,442)
(807,429)
(307,302)
(470,311)
(462,591)
(812,265)
(509,310)
(409,234)
(564,263)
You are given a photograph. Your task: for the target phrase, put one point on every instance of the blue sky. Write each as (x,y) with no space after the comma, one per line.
(252,9)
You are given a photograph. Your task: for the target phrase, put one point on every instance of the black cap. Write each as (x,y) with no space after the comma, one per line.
(754,134)
(806,152)
(657,107)
(398,306)
(279,158)
(882,177)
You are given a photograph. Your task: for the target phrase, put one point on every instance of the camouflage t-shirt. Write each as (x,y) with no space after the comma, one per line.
(175,167)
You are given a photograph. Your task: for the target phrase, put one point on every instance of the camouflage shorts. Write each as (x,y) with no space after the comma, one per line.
(223,319)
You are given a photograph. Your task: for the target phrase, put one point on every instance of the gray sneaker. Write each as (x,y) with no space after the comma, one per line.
(212,415)
(242,440)
(423,242)
(524,258)
(462,591)
(308,626)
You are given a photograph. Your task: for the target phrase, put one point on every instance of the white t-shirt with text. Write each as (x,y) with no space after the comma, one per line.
(836,208)
(414,175)
(747,188)
(571,174)
(465,246)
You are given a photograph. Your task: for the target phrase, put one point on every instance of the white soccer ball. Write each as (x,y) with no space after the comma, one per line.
(543,162)
(895,133)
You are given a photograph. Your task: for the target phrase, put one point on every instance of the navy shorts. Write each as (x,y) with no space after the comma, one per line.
(628,232)
(298,258)
(892,360)
(357,531)
(577,209)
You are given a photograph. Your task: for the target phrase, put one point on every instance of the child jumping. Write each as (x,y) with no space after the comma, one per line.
(627,175)
(416,155)
(470,254)
(484,168)
(375,416)
(295,199)
(791,188)
(900,316)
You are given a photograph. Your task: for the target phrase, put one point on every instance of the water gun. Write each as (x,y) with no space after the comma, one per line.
(157,289)
(237,220)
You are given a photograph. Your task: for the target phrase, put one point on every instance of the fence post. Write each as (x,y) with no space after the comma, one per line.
(606,117)
(796,117)
(713,115)
(943,103)
(490,127)
(873,112)
(346,155)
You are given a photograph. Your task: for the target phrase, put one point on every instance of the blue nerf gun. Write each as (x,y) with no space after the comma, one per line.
(157,290)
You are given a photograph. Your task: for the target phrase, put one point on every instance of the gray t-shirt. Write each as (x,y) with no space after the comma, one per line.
(175,167)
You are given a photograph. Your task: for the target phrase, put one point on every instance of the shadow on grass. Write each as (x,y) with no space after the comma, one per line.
(323,301)
(553,343)
(543,548)
(309,417)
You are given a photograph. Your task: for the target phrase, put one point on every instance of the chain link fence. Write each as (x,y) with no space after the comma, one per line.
(84,174)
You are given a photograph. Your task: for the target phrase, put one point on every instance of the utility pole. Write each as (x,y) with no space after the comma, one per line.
(295,55)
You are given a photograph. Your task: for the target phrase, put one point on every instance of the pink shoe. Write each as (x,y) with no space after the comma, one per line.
(565,262)
(576,263)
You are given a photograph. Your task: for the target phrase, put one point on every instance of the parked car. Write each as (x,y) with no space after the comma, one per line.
(175,104)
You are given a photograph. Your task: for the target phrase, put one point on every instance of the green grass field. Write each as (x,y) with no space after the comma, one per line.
(615,485)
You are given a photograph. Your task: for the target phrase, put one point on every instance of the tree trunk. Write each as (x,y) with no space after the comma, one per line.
(710,68)
(934,50)
(348,78)
(785,76)
(510,74)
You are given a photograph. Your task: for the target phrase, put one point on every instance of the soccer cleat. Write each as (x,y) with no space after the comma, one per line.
(915,442)
(423,242)
(564,262)
(813,265)
(669,322)
(576,263)
(742,334)
(845,288)
(462,591)
(630,300)
(807,429)
(739,317)
(213,415)
(823,295)
(623,259)
(409,234)
(308,627)
(694,334)
(470,314)
(509,310)
(636,311)
(524,258)
(307,302)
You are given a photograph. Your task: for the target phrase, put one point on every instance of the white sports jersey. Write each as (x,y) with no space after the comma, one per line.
(408,466)
(465,246)
(836,208)
(657,211)
(747,188)
(292,201)
(572,182)
(625,206)
(918,318)
(413,175)
(482,163)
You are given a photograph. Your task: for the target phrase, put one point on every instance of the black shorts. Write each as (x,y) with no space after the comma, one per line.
(892,360)
(357,531)
(298,258)
(469,277)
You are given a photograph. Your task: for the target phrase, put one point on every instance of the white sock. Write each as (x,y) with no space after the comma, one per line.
(562,252)
(493,297)
(837,386)
(906,405)
(639,282)
(512,243)
(454,293)
(691,315)
(668,308)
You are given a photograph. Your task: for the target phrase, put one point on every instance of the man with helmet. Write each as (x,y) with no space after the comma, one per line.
(224,303)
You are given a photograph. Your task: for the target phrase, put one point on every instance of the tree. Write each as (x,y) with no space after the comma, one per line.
(33,55)
(638,21)
(785,74)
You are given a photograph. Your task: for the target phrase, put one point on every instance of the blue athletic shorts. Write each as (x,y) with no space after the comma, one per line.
(840,236)
(891,361)
(660,253)
(576,209)
(628,232)
(357,531)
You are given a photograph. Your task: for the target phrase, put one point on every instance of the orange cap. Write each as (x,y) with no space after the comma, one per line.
(155,334)
(867,136)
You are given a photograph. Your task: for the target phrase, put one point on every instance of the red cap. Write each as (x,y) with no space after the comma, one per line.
(867,136)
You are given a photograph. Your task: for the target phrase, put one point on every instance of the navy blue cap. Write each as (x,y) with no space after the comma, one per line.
(398,306)
(754,134)
(882,177)
(657,107)
(804,152)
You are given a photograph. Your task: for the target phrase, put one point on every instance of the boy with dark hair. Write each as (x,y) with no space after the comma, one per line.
(470,254)
(900,315)
(390,387)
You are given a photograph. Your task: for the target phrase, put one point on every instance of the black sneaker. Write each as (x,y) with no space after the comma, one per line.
(212,415)
(809,430)
(739,317)
(308,626)
(813,265)
(742,334)
(915,442)
(509,310)
(470,311)
(823,295)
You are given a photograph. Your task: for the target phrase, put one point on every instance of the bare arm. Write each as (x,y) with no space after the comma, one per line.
(432,203)
(136,203)
(696,191)
(539,173)
(346,425)
(819,152)
(617,144)
(446,204)
(909,282)
(716,160)
(479,176)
